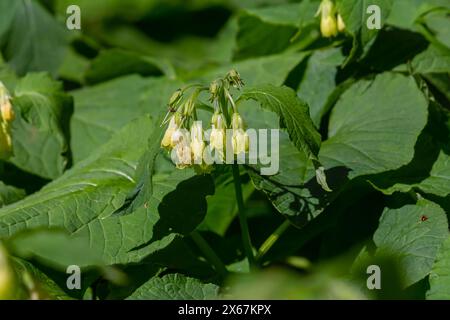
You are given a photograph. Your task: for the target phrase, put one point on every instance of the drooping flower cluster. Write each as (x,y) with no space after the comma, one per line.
(6,117)
(185,137)
(331,22)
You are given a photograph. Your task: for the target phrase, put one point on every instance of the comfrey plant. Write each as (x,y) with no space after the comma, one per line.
(227,140)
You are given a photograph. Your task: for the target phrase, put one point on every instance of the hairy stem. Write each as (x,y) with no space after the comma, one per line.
(246,242)
(270,241)
(209,253)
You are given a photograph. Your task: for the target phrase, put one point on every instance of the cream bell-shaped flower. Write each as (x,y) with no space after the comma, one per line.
(340,23)
(240,137)
(240,141)
(197,143)
(217,140)
(181,154)
(328,23)
(236,121)
(217,137)
(166,142)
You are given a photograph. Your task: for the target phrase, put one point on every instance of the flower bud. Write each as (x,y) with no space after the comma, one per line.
(340,23)
(175,98)
(217,141)
(218,121)
(240,141)
(234,78)
(214,88)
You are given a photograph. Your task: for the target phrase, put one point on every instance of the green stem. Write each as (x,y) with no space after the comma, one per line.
(270,241)
(246,242)
(209,253)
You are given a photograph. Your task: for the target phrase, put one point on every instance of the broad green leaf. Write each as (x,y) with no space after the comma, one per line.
(439,275)
(187,54)
(438,182)
(103,109)
(54,248)
(439,24)
(428,170)
(83,199)
(267,30)
(432,60)
(405,13)
(375,124)
(41,286)
(38,132)
(73,66)
(288,189)
(272,69)
(175,287)
(124,63)
(318,82)
(293,113)
(441,81)
(414,233)
(7,11)
(36,41)
(355,16)
(9,194)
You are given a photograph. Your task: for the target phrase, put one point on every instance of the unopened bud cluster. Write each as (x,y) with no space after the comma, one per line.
(6,117)
(185,136)
(331,22)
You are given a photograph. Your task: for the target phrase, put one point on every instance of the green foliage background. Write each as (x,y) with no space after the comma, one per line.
(86,145)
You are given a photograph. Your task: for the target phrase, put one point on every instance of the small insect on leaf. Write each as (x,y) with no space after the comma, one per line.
(423,218)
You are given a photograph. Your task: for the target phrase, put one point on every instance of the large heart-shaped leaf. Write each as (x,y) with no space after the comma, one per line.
(39,131)
(374,125)
(414,233)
